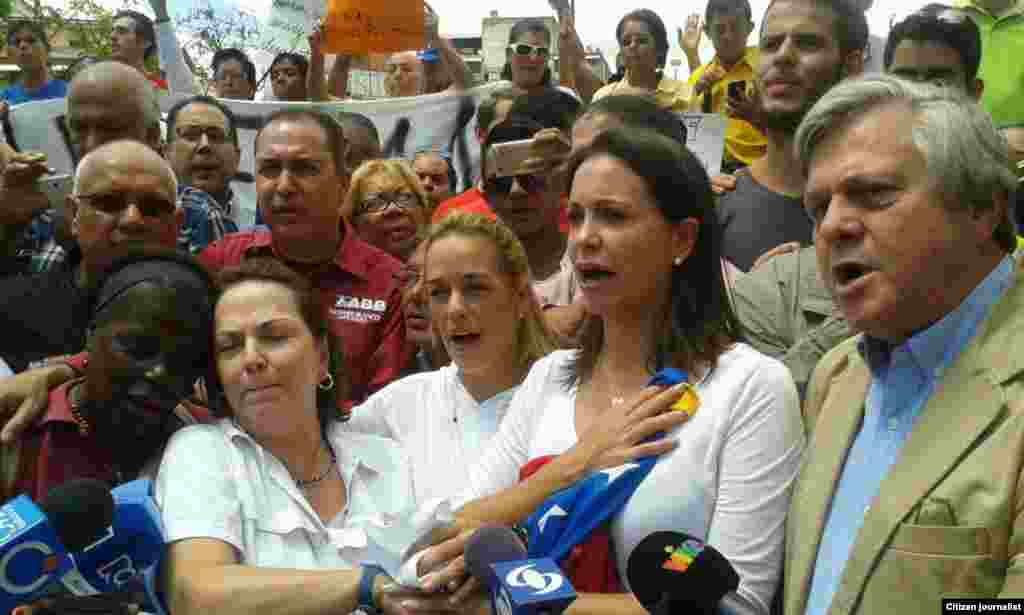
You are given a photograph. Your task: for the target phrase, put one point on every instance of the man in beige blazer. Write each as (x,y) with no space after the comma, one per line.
(911,489)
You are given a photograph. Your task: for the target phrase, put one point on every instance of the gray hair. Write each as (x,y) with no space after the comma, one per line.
(965,155)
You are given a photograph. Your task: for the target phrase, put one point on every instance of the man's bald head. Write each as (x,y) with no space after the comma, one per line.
(124,193)
(109,101)
(123,156)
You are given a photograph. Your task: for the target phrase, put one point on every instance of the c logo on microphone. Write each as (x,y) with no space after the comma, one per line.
(539,582)
(13,588)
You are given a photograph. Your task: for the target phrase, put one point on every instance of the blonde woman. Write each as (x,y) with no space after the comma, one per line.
(387,206)
(476,282)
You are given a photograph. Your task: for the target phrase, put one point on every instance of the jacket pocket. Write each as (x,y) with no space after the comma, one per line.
(942,540)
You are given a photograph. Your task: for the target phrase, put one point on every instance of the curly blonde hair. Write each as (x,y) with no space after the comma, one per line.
(534,338)
(394,169)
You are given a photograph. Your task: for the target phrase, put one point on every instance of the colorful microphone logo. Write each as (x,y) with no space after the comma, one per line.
(680,558)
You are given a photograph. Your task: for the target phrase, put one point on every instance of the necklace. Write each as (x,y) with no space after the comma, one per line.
(303,484)
(74,404)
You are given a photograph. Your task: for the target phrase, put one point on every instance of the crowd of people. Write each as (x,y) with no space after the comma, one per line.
(840,305)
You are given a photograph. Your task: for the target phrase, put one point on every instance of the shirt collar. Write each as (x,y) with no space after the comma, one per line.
(934,348)
(354,255)
(353,449)
(59,408)
(750,58)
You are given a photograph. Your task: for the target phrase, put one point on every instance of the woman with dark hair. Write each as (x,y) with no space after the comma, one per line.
(646,245)
(644,46)
(527,56)
(267,510)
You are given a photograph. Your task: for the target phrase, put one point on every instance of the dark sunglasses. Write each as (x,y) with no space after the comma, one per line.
(533,51)
(501,186)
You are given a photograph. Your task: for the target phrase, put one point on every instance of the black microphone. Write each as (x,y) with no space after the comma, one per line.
(81,512)
(518,586)
(673,572)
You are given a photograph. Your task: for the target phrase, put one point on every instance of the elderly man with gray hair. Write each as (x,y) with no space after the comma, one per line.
(911,489)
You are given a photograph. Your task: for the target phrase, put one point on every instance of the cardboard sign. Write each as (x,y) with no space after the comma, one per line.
(359,27)
(705,137)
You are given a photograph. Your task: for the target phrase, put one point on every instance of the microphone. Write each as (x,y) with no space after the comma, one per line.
(35,540)
(519,586)
(673,572)
(130,547)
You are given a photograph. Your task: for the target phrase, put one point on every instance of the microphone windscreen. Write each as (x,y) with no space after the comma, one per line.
(81,512)
(491,545)
(680,568)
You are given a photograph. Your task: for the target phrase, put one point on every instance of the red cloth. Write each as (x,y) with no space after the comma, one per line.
(591,565)
(472,201)
(158,83)
(360,296)
(54,452)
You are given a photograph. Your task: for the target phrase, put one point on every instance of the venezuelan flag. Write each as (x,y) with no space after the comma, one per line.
(688,402)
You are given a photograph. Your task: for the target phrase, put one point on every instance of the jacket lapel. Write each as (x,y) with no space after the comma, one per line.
(837,426)
(967,401)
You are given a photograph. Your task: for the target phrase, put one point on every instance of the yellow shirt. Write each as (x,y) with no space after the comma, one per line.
(743,142)
(671,94)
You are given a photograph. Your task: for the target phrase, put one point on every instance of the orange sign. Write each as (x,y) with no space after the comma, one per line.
(359,27)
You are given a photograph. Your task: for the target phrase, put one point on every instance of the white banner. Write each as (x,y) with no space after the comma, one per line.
(405,125)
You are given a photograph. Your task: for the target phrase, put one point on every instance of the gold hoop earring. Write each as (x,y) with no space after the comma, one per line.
(327,383)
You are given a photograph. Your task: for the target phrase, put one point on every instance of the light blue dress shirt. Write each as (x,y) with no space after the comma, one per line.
(903,379)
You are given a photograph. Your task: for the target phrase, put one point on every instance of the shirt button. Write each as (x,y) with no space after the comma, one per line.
(893,424)
(867,509)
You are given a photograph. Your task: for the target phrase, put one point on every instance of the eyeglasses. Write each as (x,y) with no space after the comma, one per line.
(194,134)
(113,203)
(408,277)
(533,51)
(376,203)
(501,186)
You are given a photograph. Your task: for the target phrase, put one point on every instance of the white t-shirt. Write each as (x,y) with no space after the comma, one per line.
(215,481)
(561,287)
(438,423)
(728,482)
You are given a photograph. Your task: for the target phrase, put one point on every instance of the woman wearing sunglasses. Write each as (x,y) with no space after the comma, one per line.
(527,56)
(644,43)
(387,206)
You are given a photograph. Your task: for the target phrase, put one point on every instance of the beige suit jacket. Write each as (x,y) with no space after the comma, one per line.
(947,521)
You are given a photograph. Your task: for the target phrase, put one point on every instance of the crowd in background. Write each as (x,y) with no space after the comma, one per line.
(840,308)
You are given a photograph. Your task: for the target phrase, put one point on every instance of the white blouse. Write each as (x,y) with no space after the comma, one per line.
(440,425)
(215,481)
(728,481)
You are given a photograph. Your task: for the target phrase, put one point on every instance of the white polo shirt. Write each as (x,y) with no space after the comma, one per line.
(215,481)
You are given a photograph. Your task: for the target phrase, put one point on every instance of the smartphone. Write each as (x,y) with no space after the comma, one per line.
(505,159)
(738,90)
(56,188)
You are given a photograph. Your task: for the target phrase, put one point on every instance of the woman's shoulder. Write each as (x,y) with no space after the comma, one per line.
(743,367)
(556,364)
(203,434)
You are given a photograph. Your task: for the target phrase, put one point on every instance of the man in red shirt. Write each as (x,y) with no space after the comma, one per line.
(301,180)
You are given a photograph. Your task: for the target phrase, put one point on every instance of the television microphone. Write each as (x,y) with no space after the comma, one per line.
(673,572)
(519,586)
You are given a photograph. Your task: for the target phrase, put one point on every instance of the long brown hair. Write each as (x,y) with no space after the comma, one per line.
(700,324)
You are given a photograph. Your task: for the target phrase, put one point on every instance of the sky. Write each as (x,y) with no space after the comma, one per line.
(596,19)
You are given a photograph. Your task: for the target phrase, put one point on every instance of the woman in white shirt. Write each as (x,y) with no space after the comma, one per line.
(489,322)
(261,510)
(645,241)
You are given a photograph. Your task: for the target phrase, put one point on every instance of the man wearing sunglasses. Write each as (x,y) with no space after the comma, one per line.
(936,45)
(528,201)
(1001,24)
(124,194)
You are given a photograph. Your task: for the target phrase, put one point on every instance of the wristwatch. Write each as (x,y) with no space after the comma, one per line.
(366,604)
